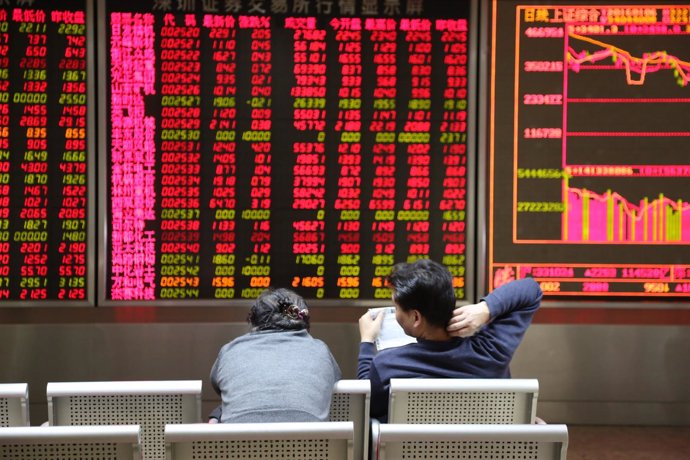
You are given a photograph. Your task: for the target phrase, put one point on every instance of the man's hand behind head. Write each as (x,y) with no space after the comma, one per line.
(468,319)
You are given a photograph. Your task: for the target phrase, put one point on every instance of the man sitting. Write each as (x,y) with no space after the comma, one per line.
(472,341)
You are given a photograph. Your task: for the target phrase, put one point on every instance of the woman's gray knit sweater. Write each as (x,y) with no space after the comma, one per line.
(275,376)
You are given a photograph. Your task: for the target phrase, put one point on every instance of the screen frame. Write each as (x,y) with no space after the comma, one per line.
(470,229)
(489,13)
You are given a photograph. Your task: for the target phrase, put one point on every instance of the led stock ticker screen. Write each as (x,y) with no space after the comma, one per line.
(44,224)
(589,192)
(309,145)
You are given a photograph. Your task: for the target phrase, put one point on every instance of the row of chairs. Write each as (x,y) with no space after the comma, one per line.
(321,440)
(424,419)
(153,405)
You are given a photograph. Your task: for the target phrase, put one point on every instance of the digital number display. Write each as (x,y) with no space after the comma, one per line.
(589,192)
(304,144)
(44,166)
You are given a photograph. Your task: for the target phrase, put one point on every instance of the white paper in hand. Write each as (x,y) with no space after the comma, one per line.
(391,335)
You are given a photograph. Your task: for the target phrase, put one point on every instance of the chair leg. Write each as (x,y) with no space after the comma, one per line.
(374,440)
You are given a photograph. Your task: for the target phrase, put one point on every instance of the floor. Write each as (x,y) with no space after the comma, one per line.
(628,443)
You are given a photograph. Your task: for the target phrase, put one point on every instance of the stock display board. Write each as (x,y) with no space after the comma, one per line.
(44,201)
(305,144)
(589,189)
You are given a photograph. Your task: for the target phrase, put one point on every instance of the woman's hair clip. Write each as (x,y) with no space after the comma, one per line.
(292,311)
(295,312)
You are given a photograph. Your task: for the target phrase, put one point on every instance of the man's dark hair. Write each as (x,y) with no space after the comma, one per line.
(426,286)
(279,309)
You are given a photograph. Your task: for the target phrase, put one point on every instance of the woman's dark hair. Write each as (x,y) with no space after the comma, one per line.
(279,309)
(426,286)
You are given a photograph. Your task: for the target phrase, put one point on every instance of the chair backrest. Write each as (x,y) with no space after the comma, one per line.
(14,404)
(465,401)
(150,404)
(350,402)
(475,442)
(70,442)
(260,441)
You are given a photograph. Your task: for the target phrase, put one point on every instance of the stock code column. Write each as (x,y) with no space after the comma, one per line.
(180,170)
(43,152)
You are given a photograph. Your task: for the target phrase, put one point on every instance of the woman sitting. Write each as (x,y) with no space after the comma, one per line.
(277,372)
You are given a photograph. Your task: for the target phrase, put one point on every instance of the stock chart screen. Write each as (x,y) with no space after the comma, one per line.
(44,199)
(589,190)
(303,144)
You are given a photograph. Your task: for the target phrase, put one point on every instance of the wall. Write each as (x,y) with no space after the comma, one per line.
(588,373)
